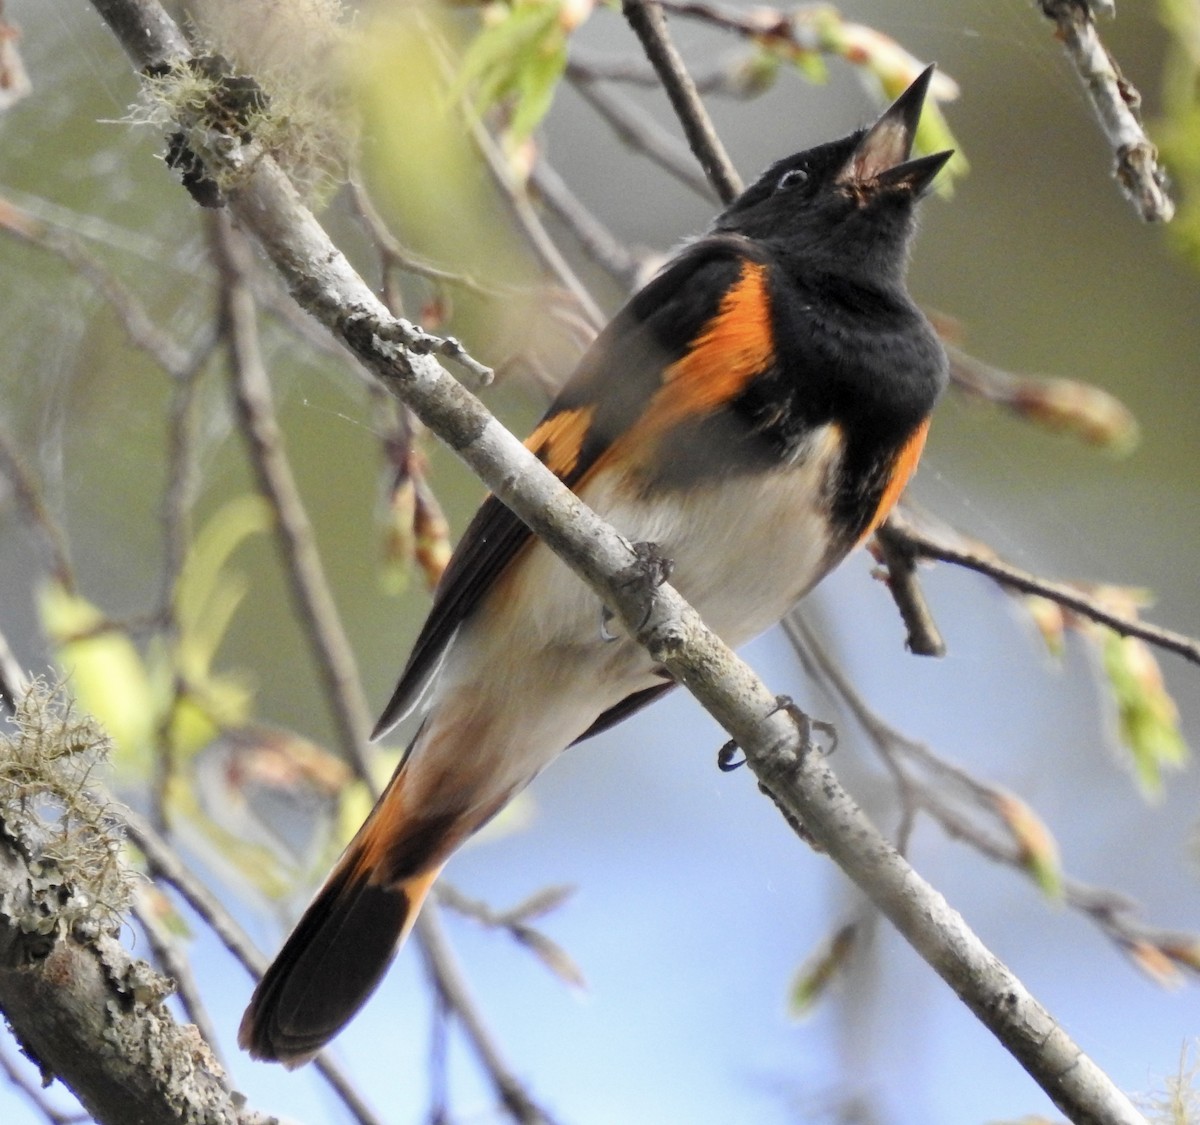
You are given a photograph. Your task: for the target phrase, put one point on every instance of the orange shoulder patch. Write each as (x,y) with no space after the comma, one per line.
(736,345)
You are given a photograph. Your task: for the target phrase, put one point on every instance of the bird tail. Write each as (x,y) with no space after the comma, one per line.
(346,939)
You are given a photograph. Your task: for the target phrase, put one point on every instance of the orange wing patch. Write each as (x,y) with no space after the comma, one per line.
(736,345)
(902,470)
(558,441)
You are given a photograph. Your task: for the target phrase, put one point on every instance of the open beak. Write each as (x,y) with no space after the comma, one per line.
(882,156)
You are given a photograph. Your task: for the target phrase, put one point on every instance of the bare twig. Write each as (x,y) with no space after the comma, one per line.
(394,254)
(143,333)
(447,978)
(176,512)
(626,268)
(925,543)
(650,25)
(1117,104)
(929,784)
(314,601)
(1086,411)
(526,217)
(924,637)
(638,72)
(180,492)
(517,922)
(35,513)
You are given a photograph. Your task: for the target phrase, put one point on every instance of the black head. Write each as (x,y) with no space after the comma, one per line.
(846,205)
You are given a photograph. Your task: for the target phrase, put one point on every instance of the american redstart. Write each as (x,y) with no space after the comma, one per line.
(755,412)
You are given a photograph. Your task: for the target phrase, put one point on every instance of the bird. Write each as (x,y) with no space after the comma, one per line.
(754,412)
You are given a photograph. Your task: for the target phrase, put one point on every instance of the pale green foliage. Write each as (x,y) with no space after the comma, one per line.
(519,56)
(1147,718)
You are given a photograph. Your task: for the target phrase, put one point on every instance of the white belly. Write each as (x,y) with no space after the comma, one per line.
(532,670)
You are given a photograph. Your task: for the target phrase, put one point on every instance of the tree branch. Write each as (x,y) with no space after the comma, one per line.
(82,1008)
(314,600)
(165,865)
(1117,104)
(650,25)
(451,986)
(924,543)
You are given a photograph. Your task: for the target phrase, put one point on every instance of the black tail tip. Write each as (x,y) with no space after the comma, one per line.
(325,971)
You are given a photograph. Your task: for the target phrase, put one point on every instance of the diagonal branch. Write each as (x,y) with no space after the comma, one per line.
(650,25)
(1117,105)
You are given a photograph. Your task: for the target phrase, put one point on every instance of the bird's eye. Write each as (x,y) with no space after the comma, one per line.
(792,178)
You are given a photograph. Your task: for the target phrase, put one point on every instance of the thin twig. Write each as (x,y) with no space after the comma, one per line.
(1117,104)
(143,333)
(1112,911)
(628,269)
(310,589)
(526,217)
(32,507)
(1066,405)
(926,543)
(178,497)
(638,72)
(924,637)
(180,492)
(394,253)
(650,25)
(447,978)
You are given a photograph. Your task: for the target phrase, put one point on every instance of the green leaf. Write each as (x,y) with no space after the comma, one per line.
(520,56)
(1147,718)
(207,594)
(818,972)
(105,674)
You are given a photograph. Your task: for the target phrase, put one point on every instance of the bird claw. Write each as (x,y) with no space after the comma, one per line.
(806,725)
(725,762)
